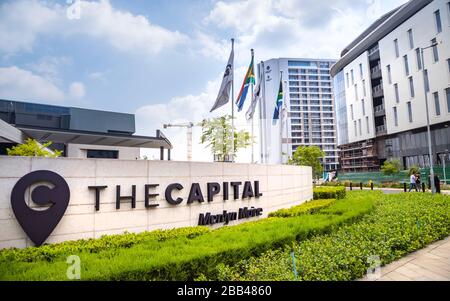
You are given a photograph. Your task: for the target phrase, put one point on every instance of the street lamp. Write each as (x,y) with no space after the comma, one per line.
(425,85)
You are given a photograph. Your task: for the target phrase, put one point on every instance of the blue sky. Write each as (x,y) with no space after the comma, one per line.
(161,60)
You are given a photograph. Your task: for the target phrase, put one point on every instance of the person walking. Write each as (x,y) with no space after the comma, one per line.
(418,182)
(412,182)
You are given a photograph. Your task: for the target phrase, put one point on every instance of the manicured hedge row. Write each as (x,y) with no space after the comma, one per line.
(305,208)
(399,225)
(186,258)
(337,192)
(106,242)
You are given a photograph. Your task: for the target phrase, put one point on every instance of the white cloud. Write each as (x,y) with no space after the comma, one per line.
(189,108)
(49,67)
(293,28)
(25,85)
(77,90)
(20,84)
(97,76)
(22,22)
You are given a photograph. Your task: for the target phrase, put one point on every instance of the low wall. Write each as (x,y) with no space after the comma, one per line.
(266,187)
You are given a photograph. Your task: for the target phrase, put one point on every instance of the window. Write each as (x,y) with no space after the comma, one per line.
(351,111)
(356,92)
(427,84)
(356,132)
(405,59)
(360,127)
(437,105)
(102,154)
(447,92)
(437,17)
(353,77)
(411,87)
(395,116)
(435,50)
(348,82)
(419,59)
(409,111)
(360,71)
(397,53)
(363,107)
(367,125)
(411,39)
(397,95)
(389,74)
(448,63)
(364,86)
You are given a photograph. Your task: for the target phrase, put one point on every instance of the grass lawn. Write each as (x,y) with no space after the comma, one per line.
(331,238)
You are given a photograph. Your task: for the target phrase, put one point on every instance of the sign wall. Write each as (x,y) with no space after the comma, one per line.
(45,200)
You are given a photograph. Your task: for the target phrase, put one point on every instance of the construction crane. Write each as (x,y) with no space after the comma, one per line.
(189,127)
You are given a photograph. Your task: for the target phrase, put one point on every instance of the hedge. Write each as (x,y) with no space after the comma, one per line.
(336,192)
(106,242)
(186,258)
(305,208)
(400,224)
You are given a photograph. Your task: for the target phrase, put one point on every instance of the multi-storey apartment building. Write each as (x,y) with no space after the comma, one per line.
(308,94)
(380,84)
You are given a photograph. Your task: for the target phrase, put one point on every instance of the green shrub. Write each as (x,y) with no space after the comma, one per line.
(400,224)
(188,258)
(305,208)
(106,242)
(337,192)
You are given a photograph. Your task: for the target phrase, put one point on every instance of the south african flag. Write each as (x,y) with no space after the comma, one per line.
(248,80)
(279,103)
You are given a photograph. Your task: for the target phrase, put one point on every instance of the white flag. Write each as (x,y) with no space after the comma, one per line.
(256,98)
(224,92)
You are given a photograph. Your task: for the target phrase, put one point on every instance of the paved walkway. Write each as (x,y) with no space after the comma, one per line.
(393,190)
(429,264)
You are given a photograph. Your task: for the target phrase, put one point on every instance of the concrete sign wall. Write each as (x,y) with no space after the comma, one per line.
(167,195)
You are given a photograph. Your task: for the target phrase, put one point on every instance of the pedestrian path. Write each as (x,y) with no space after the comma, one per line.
(429,264)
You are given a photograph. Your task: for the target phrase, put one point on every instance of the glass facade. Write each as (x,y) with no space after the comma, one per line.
(341,108)
(311,104)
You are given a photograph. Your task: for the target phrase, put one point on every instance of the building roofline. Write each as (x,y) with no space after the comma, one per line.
(62,107)
(303,59)
(387,24)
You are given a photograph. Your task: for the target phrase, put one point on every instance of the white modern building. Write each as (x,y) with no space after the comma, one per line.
(380,83)
(310,120)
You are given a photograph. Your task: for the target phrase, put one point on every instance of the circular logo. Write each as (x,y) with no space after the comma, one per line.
(38,225)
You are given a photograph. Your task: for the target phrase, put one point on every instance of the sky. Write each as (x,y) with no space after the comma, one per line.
(162,60)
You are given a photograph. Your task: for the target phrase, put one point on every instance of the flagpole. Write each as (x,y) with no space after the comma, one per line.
(251,87)
(262,122)
(281,123)
(285,98)
(232,106)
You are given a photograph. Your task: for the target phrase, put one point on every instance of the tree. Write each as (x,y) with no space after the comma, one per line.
(32,148)
(414,170)
(308,156)
(391,167)
(217,133)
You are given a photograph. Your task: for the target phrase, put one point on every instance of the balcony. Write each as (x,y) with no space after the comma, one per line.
(378,91)
(381,130)
(379,110)
(375,72)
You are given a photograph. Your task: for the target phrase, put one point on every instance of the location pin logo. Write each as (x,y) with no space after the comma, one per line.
(38,225)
